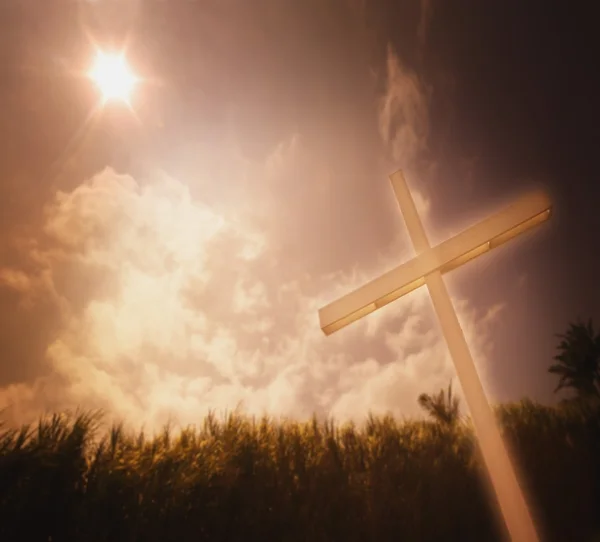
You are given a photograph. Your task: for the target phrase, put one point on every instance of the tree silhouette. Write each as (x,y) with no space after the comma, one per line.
(578,360)
(442,407)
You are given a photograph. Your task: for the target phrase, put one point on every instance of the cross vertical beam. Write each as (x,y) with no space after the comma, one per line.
(504,480)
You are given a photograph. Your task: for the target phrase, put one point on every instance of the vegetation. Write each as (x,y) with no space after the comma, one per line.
(443,407)
(245,479)
(239,478)
(578,360)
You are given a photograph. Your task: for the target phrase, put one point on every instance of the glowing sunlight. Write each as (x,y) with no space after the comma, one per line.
(113,77)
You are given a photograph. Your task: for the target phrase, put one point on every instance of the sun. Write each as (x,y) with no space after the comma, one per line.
(113,77)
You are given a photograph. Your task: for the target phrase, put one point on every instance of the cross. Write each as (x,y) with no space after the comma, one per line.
(427,269)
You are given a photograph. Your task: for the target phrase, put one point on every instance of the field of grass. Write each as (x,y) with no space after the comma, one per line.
(238,478)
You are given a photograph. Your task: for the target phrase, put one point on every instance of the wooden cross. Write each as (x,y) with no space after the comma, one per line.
(427,269)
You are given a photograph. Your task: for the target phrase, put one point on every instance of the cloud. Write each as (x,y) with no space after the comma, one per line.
(168,306)
(15,280)
(194,321)
(404,125)
(404,115)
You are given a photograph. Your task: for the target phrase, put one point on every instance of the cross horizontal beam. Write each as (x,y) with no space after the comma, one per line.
(528,211)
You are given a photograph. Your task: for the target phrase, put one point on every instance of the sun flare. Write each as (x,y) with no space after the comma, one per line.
(113,77)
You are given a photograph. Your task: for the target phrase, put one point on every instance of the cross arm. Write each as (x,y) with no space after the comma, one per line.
(525,213)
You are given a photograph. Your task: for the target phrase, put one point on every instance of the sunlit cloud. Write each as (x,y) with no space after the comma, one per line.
(404,114)
(170,307)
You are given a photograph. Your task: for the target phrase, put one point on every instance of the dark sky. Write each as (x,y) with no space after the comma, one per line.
(172,258)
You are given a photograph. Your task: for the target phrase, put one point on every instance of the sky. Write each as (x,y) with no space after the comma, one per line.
(168,260)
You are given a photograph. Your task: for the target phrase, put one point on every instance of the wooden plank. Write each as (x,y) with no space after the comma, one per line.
(527,212)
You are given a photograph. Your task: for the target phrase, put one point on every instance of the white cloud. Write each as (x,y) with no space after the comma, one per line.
(15,280)
(404,116)
(193,323)
(171,306)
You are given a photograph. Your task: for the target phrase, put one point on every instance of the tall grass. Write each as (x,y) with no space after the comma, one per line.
(240,478)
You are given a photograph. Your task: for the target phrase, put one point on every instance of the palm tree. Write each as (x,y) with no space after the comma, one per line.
(578,360)
(442,407)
